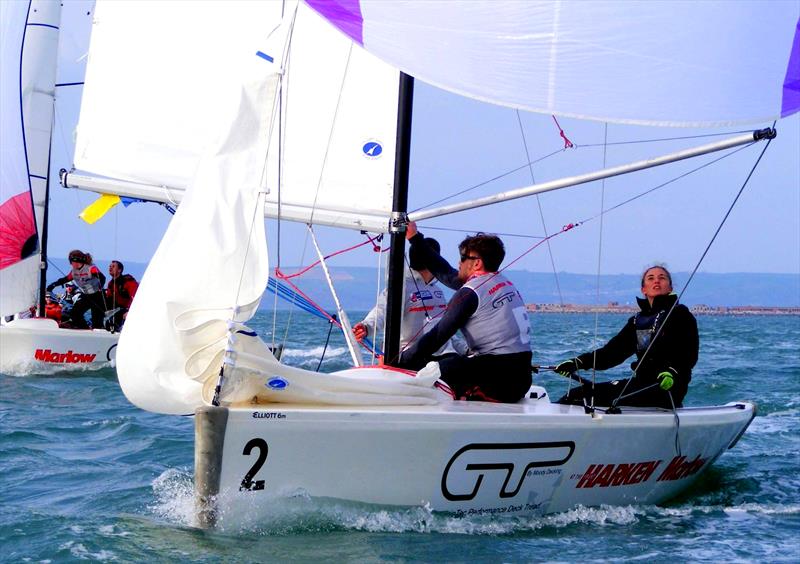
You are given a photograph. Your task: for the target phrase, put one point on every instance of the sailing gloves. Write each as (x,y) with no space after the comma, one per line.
(50,287)
(568,367)
(665,380)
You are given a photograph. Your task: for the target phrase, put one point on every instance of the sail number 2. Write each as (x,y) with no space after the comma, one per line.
(247,482)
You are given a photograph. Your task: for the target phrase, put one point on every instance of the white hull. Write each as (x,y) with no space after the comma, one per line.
(463,458)
(29,345)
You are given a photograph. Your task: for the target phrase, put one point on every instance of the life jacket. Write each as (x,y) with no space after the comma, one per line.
(649,320)
(500,324)
(119,293)
(85,280)
(52,310)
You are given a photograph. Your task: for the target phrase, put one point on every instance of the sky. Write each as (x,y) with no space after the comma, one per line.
(458,143)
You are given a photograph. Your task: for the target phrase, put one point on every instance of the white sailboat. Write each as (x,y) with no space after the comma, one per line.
(306,131)
(30,36)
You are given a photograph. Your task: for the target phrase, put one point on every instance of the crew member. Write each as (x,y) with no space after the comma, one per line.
(489,311)
(119,294)
(90,281)
(423,302)
(663,335)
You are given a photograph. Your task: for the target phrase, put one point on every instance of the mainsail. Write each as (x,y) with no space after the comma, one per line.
(29,50)
(146,111)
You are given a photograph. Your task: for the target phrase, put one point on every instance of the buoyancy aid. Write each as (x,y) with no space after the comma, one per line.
(500,324)
(84,277)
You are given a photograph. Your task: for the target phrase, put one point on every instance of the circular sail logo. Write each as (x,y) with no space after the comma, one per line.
(277,384)
(372,149)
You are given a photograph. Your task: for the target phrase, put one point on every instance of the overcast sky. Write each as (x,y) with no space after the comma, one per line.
(459,143)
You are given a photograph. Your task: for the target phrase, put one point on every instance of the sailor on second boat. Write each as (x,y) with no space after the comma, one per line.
(90,281)
(491,314)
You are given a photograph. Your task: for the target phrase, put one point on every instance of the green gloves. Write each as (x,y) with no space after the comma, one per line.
(568,367)
(665,380)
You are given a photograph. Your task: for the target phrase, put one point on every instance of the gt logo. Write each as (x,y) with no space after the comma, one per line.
(471,464)
(506,298)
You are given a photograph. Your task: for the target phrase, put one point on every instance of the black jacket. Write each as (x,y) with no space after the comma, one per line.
(674,350)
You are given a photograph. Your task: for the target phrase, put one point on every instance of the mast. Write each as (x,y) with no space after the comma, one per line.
(397,229)
(43,238)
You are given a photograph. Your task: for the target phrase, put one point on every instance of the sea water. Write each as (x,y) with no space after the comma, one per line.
(84,475)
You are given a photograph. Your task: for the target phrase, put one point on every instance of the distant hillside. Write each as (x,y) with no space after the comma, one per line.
(356,287)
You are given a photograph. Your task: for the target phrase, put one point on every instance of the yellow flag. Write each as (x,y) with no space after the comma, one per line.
(99,207)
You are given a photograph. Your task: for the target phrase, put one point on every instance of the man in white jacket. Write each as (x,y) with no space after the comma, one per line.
(423,303)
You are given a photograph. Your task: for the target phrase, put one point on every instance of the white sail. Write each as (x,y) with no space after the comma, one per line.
(211,267)
(146,110)
(29,36)
(176,111)
(658,62)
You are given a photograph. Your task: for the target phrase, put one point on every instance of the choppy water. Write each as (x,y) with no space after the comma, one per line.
(86,476)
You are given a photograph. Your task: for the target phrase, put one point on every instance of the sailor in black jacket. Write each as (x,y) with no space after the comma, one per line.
(666,345)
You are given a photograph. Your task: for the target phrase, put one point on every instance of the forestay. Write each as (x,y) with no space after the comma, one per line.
(662,63)
(29,36)
(146,111)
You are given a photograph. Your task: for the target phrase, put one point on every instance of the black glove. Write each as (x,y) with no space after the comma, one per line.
(568,367)
(50,287)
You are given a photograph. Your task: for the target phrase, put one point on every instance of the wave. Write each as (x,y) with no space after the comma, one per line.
(296,512)
(314,352)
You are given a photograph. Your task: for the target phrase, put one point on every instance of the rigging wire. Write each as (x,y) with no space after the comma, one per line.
(599,263)
(324,162)
(567,144)
(454,230)
(485,182)
(663,139)
(696,267)
(680,176)
(563,149)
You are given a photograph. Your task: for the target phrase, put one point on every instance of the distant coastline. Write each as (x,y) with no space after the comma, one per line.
(699,309)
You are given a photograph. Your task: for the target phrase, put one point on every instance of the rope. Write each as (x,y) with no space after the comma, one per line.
(485,182)
(375,248)
(541,210)
(599,260)
(325,348)
(564,229)
(567,143)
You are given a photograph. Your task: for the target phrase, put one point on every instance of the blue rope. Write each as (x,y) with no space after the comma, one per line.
(285,292)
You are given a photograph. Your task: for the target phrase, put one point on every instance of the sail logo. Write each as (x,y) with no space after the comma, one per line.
(372,149)
(478,463)
(277,384)
(69,357)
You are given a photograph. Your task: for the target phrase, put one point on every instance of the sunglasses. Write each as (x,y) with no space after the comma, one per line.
(468,257)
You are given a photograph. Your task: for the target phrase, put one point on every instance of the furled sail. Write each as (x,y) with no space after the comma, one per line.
(660,62)
(208,116)
(29,36)
(146,110)
(211,266)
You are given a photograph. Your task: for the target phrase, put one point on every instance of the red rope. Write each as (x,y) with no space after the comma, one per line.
(564,229)
(286,277)
(375,247)
(567,143)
